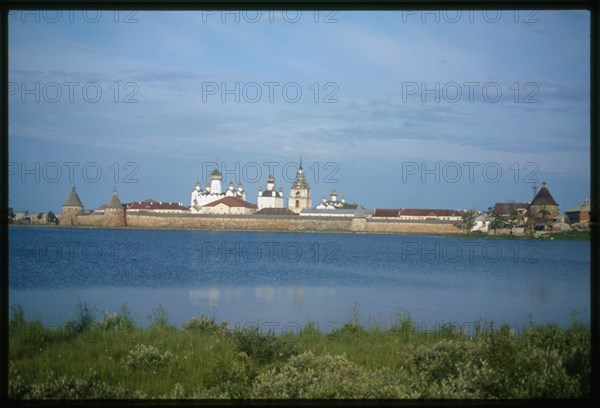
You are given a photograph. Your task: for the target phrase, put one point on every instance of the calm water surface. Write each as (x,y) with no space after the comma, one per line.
(279,280)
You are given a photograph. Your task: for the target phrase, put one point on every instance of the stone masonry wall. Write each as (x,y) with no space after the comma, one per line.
(395,227)
(114,217)
(258,223)
(90,220)
(237,223)
(69,216)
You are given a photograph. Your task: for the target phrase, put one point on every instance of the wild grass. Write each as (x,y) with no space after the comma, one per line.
(112,357)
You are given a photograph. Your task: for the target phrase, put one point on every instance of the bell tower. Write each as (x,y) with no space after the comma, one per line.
(300,192)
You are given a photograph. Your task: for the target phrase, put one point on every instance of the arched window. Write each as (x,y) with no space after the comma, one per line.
(297,193)
(297,203)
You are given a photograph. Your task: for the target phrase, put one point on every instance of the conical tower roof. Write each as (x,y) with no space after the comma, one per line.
(543,197)
(73,200)
(114,201)
(300,183)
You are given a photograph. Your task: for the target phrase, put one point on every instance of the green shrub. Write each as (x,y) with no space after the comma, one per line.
(84,318)
(147,357)
(17,320)
(496,365)
(66,387)
(264,347)
(204,323)
(439,361)
(117,321)
(159,319)
(17,388)
(235,380)
(325,376)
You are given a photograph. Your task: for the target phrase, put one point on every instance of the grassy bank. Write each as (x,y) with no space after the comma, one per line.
(114,358)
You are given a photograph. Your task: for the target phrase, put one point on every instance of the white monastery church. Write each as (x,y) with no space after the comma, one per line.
(270,198)
(213,192)
(299,199)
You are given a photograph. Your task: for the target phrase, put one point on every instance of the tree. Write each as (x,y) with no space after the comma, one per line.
(468,220)
(11,213)
(513,212)
(40,216)
(496,220)
(530,218)
(51,217)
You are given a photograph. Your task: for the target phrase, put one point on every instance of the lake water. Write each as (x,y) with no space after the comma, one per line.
(283,280)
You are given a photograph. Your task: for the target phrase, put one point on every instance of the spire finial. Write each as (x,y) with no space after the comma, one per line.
(300,162)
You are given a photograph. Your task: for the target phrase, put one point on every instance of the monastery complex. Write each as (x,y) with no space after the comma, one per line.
(213,207)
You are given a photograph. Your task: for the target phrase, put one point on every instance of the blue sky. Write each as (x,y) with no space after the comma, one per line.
(397,109)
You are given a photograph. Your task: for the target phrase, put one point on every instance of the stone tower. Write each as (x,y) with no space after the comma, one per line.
(300,193)
(543,207)
(114,213)
(71,209)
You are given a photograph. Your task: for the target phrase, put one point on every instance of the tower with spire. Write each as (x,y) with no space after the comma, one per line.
(71,209)
(300,192)
(114,213)
(543,207)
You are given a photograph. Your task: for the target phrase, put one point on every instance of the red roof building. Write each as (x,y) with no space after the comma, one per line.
(156,206)
(418,214)
(229,205)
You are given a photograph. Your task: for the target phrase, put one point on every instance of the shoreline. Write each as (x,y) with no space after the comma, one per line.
(581,235)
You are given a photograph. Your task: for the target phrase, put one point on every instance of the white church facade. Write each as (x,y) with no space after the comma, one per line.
(271,197)
(299,200)
(213,192)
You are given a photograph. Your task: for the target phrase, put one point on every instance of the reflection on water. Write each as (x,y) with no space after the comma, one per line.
(265,294)
(298,295)
(322,305)
(382,274)
(211,296)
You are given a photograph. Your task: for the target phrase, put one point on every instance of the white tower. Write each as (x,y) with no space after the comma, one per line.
(271,183)
(334,195)
(300,193)
(195,194)
(215,181)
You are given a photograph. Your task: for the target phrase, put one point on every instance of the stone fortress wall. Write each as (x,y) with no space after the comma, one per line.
(265,223)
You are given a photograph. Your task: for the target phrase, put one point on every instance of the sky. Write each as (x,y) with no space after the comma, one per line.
(449,110)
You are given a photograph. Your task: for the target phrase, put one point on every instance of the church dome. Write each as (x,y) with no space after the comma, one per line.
(216,175)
